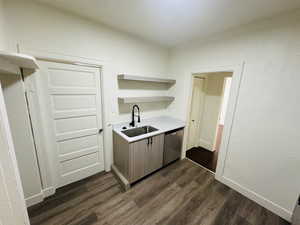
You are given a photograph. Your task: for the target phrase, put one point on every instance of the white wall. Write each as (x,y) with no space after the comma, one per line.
(2,30)
(39,27)
(264,154)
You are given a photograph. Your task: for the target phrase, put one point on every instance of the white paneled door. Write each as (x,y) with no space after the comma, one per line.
(71,97)
(197,104)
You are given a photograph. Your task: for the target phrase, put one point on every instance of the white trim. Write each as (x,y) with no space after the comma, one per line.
(273,207)
(59,56)
(48,191)
(34,199)
(229,118)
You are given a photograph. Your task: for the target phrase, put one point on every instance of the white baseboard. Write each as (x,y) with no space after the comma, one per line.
(48,192)
(273,207)
(34,199)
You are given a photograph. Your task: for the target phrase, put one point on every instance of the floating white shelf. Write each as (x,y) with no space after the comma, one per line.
(145,79)
(125,100)
(11,62)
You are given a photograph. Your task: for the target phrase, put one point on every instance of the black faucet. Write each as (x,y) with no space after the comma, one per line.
(133,115)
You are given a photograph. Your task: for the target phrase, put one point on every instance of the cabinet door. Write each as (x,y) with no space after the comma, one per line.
(154,158)
(138,154)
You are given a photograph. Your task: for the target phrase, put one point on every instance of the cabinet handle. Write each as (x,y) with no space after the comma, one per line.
(151,141)
(148,141)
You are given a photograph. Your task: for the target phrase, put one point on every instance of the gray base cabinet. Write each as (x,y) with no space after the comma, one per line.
(138,159)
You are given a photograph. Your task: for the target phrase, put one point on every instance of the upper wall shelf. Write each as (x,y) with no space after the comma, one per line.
(145,79)
(11,62)
(126,100)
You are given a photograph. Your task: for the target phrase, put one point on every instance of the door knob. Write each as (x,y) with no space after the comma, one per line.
(100,131)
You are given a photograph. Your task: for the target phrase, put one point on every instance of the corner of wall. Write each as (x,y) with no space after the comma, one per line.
(2,28)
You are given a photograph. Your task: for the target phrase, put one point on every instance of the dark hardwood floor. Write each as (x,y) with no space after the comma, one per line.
(204,157)
(182,193)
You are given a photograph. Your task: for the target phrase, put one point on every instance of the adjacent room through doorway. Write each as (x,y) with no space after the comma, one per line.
(207,117)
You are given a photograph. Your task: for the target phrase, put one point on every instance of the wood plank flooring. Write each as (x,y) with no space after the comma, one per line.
(180,194)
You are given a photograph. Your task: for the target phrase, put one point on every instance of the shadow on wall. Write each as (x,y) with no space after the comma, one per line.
(140,85)
(144,107)
(10,80)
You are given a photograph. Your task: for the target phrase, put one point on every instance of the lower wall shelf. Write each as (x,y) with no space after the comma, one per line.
(125,100)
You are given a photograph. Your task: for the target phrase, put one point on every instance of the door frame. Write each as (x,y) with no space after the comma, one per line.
(56,57)
(237,74)
(220,110)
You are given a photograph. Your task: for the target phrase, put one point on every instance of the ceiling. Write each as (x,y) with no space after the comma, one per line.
(173,22)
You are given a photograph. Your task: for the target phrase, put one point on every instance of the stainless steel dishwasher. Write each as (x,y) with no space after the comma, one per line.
(173,145)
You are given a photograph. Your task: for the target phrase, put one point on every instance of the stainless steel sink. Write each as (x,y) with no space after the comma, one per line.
(139,131)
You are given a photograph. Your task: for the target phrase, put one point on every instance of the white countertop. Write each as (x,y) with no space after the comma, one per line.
(163,124)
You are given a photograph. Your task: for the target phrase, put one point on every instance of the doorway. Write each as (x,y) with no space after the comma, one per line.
(207,117)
